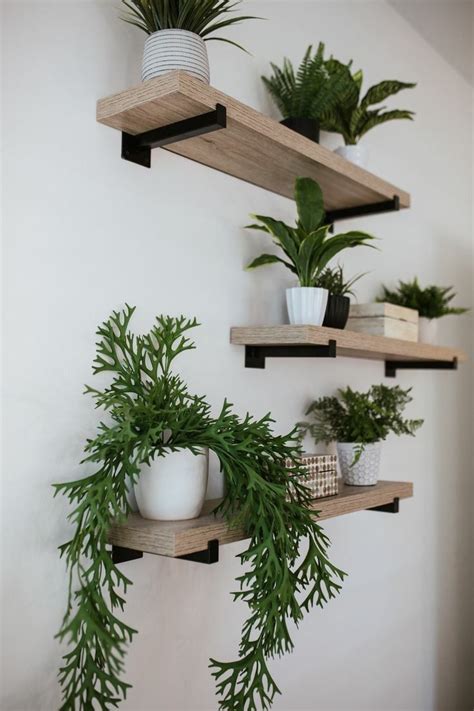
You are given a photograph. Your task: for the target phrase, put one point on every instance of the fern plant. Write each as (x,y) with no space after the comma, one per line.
(150,412)
(431,302)
(332,279)
(307,247)
(310,91)
(353,116)
(360,417)
(203,17)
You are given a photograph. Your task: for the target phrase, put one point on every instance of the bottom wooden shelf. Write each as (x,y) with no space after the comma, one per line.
(179,538)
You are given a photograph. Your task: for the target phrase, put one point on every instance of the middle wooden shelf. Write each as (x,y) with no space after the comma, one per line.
(263,342)
(186,538)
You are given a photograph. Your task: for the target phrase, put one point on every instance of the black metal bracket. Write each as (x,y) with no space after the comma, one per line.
(391,366)
(208,556)
(392,507)
(374,208)
(255,355)
(123,555)
(137,149)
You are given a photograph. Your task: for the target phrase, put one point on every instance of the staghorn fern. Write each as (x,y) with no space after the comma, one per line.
(285,568)
(310,92)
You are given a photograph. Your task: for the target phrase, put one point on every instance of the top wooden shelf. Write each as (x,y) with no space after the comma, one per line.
(253,147)
(300,341)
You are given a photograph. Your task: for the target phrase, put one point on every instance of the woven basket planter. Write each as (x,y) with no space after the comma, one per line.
(321,478)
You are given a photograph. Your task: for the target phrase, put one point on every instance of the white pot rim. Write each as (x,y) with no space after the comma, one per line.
(315,288)
(175,29)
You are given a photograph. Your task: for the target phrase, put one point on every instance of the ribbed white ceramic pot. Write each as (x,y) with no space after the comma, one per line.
(167,50)
(427,330)
(365,472)
(306,305)
(359,155)
(173,487)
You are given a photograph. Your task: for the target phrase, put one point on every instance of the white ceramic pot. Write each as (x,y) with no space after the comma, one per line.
(306,305)
(173,487)
(359,155)
(365,472)
(167,50)
(427,330)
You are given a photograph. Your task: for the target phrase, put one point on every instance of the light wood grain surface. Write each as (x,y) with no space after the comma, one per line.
(349,343)
(175,538)
(253,147)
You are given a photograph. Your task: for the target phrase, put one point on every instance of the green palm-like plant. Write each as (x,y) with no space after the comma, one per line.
(203,17)
(431,302)
(308,247)
(310,91)
(353,116)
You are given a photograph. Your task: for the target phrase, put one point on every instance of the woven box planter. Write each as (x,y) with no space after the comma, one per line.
(321,478)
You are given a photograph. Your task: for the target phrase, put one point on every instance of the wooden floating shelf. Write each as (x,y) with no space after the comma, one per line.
(252,146)
(300,341)
(181,538)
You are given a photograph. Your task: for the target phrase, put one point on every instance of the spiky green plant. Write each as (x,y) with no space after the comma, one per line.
(310,91)
(431,302)
(308,247)
(360,417)
(203,17)
(332,279)
(353,116)
(151,412)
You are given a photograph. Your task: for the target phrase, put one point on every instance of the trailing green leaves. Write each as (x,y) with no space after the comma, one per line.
(308,246)
(151,412)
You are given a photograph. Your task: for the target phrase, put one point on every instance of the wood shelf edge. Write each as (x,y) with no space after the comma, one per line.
(176,538)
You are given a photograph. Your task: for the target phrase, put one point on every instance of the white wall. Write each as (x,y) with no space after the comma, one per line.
(85,232)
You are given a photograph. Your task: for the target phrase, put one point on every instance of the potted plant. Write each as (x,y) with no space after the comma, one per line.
(150,414)
(306,95)
(177,32)
(358,422)
(353,116)
(432,303)
(337,309)
(307,249)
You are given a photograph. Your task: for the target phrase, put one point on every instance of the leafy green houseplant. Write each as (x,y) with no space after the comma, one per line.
(337,309)
(307,94)
(307,249)
(432,303)
(358,422)
(150,412)
(353,116)
(177,31)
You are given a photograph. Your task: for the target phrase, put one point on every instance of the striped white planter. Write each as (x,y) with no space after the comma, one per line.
(168,50)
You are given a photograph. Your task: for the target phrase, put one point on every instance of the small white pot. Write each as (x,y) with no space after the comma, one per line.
(173,487)
(359,155)
(427,330)
(167,50)
(131,498)
(366,471)
(306,305)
